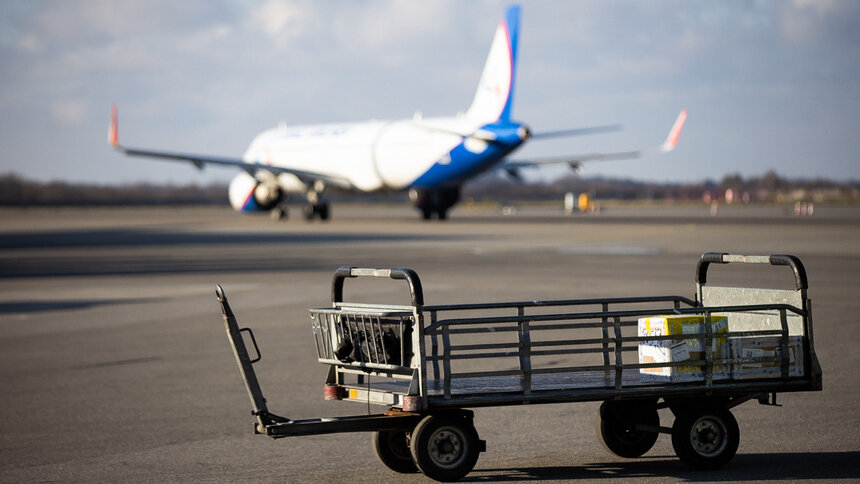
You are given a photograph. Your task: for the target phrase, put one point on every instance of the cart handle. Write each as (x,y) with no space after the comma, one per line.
(709,258)
(410,276)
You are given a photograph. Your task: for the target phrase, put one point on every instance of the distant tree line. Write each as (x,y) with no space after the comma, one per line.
(16,191)
(770,187)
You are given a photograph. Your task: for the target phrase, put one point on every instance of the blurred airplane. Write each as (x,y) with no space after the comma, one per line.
(430,158)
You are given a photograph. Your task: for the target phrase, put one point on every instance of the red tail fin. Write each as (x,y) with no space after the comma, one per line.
(675,132)
(113,132)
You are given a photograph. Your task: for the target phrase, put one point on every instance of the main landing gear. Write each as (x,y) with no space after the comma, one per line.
(317,206)
(435,202)
(310,211)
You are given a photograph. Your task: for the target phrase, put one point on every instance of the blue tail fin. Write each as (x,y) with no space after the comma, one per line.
(495,93)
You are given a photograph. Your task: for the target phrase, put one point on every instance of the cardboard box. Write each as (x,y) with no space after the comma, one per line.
(681,349)
(762,347)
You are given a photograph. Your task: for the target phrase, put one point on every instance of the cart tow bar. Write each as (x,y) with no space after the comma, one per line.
(234,333)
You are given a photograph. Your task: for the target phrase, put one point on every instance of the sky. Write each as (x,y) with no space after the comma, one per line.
(770,85)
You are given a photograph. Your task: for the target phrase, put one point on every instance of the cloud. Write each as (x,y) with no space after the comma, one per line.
(816,22)
(281,20)
(73,111)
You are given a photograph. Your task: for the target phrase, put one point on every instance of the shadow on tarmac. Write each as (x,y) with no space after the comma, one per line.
(744,467)
(144,238)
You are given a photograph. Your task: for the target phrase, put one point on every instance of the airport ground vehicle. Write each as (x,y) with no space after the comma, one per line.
(431,364)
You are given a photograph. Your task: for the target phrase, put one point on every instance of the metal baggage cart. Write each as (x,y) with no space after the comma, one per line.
(430,364)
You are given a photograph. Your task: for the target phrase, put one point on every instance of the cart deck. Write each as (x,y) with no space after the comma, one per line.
(700,357)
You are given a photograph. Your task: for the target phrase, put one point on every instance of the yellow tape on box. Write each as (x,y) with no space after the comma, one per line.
(681,349)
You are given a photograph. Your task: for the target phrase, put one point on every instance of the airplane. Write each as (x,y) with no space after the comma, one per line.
(429,158)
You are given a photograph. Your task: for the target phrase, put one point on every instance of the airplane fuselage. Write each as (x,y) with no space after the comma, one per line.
(387,155)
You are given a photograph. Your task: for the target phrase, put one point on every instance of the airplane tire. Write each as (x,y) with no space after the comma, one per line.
(323,211)
(279,213)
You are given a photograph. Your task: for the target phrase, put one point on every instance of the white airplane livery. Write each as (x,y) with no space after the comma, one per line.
(430,158)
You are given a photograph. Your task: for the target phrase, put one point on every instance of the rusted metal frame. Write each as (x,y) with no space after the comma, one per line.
(571,342)
(561,302)
(418,384)
(726,387)
(569,369)
(619,361)
(475,356)
(342,322)
(398,374)
(511,354)
(537,318)
(533,326)
(361,366)
(258,403)
(361,322)
(811,366)
(434,346)
(535,371)
(331,425)
(401,328)
(378,329)
(319,335)
(784,364)
(709,352)
(605,331)
(487,346)
(382,310)
(524,353)
(446,361)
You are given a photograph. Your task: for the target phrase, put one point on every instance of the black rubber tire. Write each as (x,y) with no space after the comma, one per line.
(279,213)
(615,427)
(392,449)
(324,211)
(705,439)
(309,212)
(445,446)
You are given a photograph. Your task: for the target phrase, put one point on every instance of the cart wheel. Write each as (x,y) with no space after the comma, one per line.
(392,449)
(705,438)
(616,430)
(445,446)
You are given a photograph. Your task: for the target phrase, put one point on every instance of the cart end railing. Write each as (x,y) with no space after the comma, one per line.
(708,258)
(408,275)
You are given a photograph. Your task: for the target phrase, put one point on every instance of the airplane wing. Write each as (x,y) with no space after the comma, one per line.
(512,167)
(308,178)
(485,135)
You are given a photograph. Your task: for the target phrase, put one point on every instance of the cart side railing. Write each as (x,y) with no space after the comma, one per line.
(613,341)
(520,309)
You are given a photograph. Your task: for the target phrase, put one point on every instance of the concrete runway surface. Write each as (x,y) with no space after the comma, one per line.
(115,365)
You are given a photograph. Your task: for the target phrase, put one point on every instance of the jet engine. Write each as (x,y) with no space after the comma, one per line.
(249,194)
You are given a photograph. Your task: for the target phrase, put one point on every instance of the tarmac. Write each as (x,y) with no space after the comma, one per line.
(115,365)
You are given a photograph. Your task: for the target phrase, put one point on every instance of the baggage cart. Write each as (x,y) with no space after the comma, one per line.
(429,365)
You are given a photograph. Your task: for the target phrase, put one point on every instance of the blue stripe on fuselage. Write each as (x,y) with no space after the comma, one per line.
(250,204)
(462,164)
